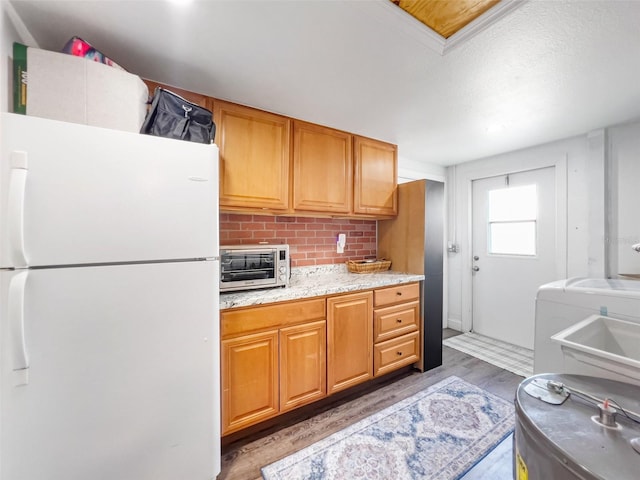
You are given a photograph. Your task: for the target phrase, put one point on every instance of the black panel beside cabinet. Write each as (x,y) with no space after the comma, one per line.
(414,242)
(433,273)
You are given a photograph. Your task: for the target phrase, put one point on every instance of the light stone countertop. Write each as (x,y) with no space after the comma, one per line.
(307,282)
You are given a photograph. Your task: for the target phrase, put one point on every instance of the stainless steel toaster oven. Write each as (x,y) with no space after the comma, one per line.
(245,267)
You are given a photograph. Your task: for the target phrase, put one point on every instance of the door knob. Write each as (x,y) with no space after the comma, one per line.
(476,257)
(476,269)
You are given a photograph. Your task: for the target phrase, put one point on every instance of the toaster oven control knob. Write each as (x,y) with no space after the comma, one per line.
(283,278)
(283,269)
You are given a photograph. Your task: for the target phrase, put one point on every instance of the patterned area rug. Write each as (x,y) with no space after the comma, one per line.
(438,433)
(518,360)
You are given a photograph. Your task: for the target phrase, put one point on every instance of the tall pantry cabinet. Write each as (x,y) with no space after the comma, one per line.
(414,242)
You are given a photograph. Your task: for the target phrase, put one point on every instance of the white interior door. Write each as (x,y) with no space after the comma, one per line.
(123,373)
(514,242)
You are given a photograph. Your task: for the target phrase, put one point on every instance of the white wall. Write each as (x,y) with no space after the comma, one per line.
(8,36)
(598,207)
(570,157)
(409,170)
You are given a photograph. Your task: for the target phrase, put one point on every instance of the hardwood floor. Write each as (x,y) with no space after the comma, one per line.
(243,458)
(497,465)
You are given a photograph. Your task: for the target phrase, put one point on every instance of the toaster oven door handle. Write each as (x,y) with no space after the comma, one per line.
(266,250)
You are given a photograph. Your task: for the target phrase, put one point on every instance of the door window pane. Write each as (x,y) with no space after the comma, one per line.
(513,213)
(513,203)
(513,238)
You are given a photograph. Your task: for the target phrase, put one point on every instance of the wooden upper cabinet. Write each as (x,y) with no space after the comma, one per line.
(376,176)
(322,169)
(254,157)
(274,164)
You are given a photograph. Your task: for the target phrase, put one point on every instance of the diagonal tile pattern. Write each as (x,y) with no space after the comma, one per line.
(513,358)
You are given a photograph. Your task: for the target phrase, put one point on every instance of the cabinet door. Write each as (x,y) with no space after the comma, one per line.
(254,157)
(376,176)
(349,340)
(249,380)
(303,364)
(322,169)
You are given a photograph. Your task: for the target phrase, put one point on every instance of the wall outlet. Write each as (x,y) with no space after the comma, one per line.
(340,244)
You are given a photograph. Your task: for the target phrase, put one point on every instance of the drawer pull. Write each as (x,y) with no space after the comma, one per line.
(399,294)
(398,320)
(399,354)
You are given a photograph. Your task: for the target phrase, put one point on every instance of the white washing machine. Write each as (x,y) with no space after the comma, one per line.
(563,303)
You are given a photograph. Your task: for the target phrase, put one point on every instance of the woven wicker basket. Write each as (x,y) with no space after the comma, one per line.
(367,266)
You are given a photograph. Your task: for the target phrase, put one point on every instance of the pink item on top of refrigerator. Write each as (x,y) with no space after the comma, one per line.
(78,47)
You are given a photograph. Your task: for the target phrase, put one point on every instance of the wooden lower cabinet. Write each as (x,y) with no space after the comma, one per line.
(250,387)
(278,357)
(273,359)
(303,366)
(396,327)
(349,340)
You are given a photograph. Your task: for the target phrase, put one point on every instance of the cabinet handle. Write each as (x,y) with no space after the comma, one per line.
(399,294)
(399,354)
(398,320)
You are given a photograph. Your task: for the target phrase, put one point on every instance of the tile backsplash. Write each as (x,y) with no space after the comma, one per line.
(312,240)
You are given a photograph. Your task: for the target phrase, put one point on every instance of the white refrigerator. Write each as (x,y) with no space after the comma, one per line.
(109,327)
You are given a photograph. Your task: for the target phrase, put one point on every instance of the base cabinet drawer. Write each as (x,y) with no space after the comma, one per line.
(391,322)
(395,353)
(400,293)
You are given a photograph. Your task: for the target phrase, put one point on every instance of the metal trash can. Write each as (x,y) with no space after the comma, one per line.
(561,432)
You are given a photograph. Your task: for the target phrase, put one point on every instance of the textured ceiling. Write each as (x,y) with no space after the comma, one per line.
(547,70)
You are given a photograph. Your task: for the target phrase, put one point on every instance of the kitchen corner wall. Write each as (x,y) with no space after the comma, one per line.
(8,36)
(12,29)
(312,240)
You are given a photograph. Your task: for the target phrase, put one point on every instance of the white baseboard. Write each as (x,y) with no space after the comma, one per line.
(454,324)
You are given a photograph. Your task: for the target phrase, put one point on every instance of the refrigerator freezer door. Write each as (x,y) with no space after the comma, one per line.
(73,194)
(123,373)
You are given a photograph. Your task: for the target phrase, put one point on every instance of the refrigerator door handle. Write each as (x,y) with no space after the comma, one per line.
(16,325)
(15,208)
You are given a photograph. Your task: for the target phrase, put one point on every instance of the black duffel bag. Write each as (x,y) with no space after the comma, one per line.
(172,116)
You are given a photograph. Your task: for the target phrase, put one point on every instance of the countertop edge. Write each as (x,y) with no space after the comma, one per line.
(316,286)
